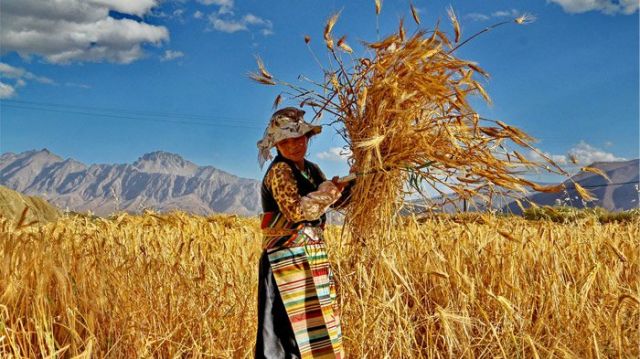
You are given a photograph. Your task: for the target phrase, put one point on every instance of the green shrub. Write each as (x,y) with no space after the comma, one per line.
(564,214)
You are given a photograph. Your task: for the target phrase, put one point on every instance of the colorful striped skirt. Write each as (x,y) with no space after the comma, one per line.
(299,280)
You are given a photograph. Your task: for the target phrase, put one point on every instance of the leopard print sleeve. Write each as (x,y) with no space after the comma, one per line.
(298,208)
(285,191)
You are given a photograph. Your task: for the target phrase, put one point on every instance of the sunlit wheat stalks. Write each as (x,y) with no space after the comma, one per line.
(171,285)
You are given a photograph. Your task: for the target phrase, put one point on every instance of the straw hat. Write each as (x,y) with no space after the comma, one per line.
(285,123)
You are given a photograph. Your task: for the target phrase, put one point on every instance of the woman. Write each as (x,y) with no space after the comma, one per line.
(297,309)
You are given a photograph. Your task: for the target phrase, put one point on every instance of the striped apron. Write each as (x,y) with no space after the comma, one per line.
(298,259)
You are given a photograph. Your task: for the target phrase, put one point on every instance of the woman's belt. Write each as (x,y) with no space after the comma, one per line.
(278,232)
(303,236)
(274,224)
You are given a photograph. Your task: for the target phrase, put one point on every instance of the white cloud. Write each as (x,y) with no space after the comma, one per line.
(559,159)
(226,11)
(629,6)
(513,13)
(584,153)
(73,84)
(610,7)
(231,25)
(224,19)
(6,91)
(254,20)
(20,77)
(334,154)
(228,26)
(506,13)
(171,55)
(587,154)
(500,14)
(177,14)
(64,31)
(226,6)
(266,32)
(137,7)
(267,25)
(227,3)
(198,15)
(477,16)
(9,71)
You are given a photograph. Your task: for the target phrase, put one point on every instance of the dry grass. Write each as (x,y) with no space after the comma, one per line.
(149,286)
(178,285)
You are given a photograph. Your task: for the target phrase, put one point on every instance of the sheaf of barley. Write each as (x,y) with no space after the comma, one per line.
(405,114)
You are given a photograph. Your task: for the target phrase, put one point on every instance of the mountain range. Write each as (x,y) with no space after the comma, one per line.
(618,193)
(158,180)
(165,181)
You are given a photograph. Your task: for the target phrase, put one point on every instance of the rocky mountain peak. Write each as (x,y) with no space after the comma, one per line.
(159,180)
(44,154)
(165,162)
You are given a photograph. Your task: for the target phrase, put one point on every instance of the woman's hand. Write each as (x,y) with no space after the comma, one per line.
(337,183)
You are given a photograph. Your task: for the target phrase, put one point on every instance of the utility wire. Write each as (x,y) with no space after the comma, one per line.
(178,118)
(30,106)
(607,184)
(126,111)
(135,114)
(125,117)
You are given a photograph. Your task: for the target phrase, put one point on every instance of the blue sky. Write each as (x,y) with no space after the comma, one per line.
(105,81)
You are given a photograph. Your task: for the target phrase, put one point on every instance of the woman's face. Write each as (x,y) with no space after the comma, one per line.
(294,149)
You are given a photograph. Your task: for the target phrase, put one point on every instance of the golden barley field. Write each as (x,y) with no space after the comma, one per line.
(176,285)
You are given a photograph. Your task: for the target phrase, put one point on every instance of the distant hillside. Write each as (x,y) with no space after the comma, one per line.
(618,195)
(450,203)
(164,181)
(159,180)
(13,203)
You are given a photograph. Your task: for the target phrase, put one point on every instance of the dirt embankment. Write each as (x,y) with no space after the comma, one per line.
(13,203)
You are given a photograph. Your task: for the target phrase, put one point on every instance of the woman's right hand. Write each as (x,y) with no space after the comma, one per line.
(337,183)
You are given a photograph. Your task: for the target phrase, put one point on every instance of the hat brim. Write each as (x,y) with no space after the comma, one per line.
(273,135)
(308,129)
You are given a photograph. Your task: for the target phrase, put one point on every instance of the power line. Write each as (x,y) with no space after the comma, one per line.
(138,115)
(606,184)
(135,115)
(116,116)
(126,111)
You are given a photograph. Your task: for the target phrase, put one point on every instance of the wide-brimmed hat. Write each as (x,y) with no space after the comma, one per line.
(285,123)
